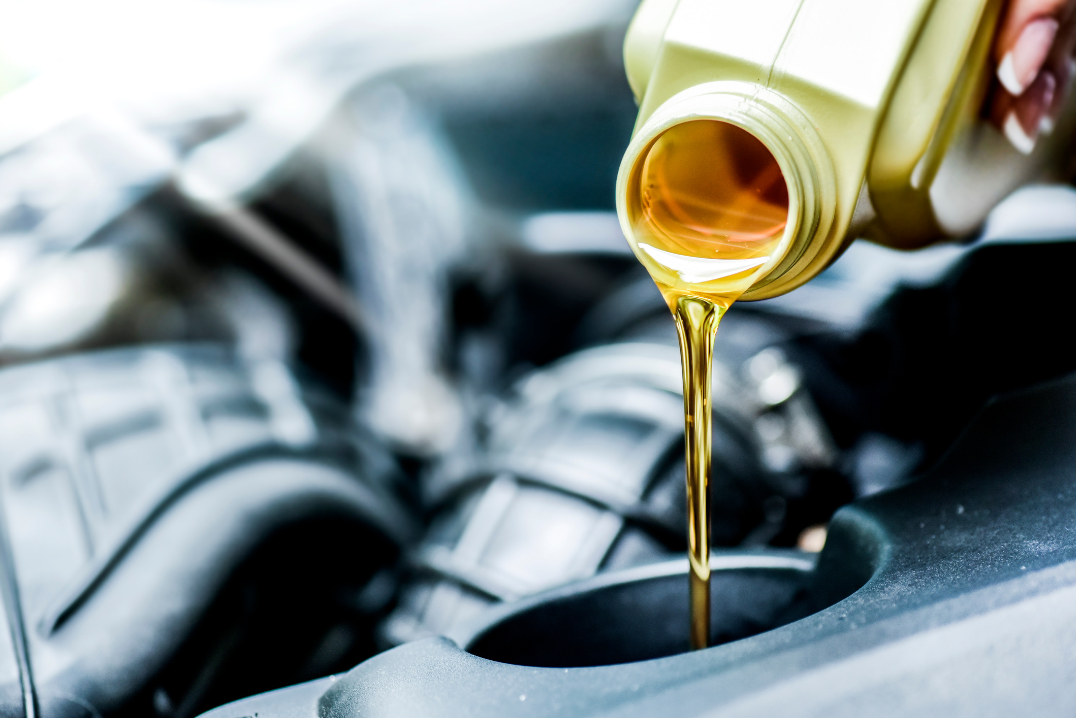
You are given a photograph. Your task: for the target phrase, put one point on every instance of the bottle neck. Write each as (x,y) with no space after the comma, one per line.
(794,146)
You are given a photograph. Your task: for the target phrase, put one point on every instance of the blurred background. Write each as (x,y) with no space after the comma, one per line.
(339,184)
(414,204)
(406,209)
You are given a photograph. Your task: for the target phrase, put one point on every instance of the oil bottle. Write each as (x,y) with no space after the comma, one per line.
(771,133)
(869,111)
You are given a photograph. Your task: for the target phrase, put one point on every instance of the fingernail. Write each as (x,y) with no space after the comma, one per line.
(1016,136)
(1022,63)
(1025,121)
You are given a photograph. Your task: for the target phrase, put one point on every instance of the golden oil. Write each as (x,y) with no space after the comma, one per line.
(710,189)
(772,133)
(696,324)
(711,208)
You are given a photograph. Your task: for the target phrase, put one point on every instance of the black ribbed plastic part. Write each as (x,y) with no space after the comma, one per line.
(582,472)
(186,525)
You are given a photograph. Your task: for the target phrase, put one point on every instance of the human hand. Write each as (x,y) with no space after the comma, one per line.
(1034,54)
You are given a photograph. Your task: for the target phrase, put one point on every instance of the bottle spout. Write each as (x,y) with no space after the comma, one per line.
(717,193)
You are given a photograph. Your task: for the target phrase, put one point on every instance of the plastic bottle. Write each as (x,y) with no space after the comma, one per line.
(869,110)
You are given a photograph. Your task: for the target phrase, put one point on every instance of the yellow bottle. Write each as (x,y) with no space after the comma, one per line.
(773,132)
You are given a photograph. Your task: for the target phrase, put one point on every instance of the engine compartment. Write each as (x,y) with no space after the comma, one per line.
(368,409)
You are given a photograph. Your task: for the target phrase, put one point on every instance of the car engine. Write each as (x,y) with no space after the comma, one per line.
(329,388)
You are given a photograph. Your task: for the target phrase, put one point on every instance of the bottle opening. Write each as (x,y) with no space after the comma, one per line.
(709,189)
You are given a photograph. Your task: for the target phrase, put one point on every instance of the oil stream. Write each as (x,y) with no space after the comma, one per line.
(713,209)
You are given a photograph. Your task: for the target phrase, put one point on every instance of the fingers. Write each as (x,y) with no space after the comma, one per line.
(1021,64)
(1023,122)
(1019,14)
(1033,50)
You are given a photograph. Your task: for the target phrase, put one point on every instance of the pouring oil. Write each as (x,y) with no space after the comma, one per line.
(712,207)
(895,150)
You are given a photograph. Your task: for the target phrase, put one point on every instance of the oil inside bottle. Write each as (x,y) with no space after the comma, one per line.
(711,208)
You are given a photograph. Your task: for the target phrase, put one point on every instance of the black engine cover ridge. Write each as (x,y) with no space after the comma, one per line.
(163,524)
(967,607)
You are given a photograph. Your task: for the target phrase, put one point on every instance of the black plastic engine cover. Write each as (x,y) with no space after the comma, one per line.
(164,518)
(967,606)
